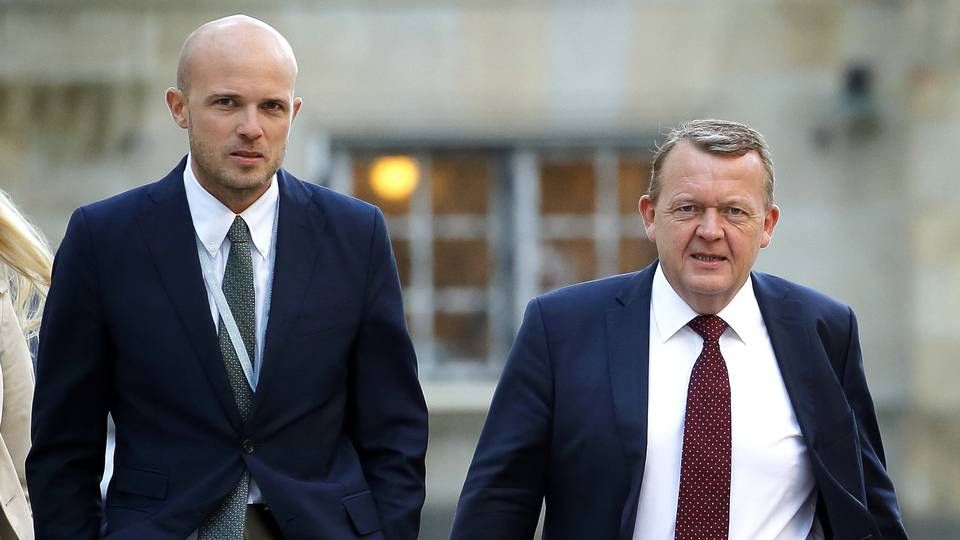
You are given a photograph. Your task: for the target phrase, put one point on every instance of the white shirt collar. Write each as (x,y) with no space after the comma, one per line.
(212,220)
(742,314)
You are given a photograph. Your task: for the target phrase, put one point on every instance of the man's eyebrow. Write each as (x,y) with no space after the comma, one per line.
(215,94)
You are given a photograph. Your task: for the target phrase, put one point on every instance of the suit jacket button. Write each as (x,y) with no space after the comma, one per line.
(247,446)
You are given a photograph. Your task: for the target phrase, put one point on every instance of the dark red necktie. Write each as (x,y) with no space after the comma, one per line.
(703,508)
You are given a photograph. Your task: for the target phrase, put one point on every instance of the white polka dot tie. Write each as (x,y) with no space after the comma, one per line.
(703,507)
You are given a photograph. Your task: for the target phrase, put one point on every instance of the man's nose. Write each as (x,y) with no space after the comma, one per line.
(249,126)
(711,225)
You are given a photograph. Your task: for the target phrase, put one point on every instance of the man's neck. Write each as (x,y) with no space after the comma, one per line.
(237,200)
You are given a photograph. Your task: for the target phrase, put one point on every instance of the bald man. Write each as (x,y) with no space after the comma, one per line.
(244,329)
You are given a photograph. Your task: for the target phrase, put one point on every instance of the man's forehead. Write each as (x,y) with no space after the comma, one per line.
(688,161)
(703,184)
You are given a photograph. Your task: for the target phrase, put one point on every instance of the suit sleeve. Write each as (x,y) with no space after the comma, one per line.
(389,413)
(505,486)
(881,497)
(70,404)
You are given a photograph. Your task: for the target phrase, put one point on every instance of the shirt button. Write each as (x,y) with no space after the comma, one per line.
(247,446)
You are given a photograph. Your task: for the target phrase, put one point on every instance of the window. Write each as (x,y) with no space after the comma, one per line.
(478,230)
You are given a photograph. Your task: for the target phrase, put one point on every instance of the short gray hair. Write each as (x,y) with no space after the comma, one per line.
(715,137)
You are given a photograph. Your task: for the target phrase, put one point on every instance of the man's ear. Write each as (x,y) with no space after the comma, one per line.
(770,220)
(297,103)
(648,212)
(177,103)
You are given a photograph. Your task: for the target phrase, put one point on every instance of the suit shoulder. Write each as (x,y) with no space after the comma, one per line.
(333,201)
(119,207)
(596,294)
(334,197)
(812,300)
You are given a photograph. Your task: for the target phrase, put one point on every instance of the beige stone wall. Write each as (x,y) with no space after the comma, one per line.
(933,430)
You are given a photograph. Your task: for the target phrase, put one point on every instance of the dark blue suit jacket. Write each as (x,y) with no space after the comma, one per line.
(338,430)
(568,421)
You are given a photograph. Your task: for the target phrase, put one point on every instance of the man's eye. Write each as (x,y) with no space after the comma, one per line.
(686,209)
(223,102)
(273,106)
(733,211)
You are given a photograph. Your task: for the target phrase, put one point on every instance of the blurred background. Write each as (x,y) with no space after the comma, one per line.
(509,141)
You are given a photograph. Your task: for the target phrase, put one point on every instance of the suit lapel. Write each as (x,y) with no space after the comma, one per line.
(793,347)
(628,346)
(170,237)
(300,224)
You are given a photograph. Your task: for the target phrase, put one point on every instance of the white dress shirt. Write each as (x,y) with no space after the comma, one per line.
(211,221)
(772,493)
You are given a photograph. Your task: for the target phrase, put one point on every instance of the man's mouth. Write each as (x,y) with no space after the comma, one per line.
(246,154)
(708,258)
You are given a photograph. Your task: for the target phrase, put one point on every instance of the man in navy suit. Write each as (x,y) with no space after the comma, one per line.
(691,399)
(286,407)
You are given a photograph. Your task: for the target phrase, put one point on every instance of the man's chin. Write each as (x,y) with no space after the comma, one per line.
(247,180)
(708,287)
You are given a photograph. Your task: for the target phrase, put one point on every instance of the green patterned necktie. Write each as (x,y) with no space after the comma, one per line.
(227,522)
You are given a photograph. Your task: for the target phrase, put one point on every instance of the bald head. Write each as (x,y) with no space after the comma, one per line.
(227,37)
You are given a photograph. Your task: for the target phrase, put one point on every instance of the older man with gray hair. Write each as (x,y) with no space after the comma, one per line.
(694,399)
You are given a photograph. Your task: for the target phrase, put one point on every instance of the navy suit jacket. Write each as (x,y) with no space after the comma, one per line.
(568,422)
(337,434)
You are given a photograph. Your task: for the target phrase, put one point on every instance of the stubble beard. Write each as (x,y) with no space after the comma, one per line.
(215,173)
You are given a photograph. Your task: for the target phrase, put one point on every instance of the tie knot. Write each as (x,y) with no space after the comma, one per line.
(710,327)
(239,232)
